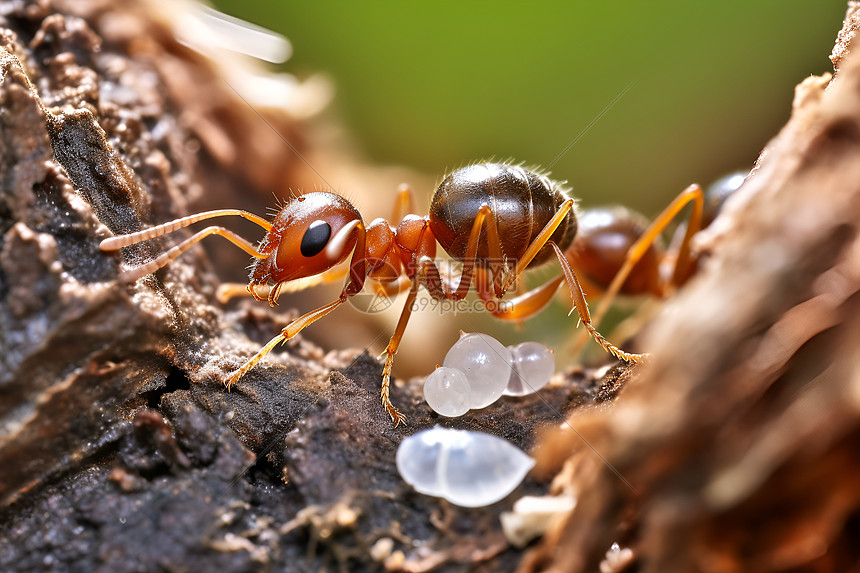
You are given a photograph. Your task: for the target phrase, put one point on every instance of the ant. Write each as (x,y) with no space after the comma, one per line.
(616,251)
(497,219)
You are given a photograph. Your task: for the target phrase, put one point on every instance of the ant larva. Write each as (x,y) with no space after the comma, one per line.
(497,219)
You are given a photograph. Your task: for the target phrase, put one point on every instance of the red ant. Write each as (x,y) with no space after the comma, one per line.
(617,252)
(496,219)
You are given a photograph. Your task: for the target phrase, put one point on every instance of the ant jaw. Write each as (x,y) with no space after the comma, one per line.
(252,289)
(274,293)
(262,271)
(269,294)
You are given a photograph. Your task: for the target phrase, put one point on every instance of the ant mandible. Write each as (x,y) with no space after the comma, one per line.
(497,219)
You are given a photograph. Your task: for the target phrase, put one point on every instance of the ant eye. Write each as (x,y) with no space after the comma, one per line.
(315,238)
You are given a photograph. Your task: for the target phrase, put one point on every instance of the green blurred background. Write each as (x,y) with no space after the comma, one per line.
(435,85)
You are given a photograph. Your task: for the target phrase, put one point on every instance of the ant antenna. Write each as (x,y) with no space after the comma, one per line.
(130,275)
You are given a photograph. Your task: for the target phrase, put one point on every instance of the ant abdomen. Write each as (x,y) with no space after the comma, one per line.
(717,193)
(522,202)
(601,245)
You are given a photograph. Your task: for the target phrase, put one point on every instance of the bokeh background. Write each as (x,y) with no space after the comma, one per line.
(432,86)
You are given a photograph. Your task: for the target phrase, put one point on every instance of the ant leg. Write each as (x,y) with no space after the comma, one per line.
(540,241)
(352,286)
(391,350)
(525,305)
(528,303)
(534,300)
(484,220)
(519,290)
(131,275)
(682,261)
(693,194)
(288,332)
(227,291)
(404,204)
(434,286)
(582,308)
(391,289)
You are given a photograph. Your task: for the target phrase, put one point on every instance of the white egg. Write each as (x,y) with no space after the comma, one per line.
(447,392)
(533,366)
(486,363)
(469,469)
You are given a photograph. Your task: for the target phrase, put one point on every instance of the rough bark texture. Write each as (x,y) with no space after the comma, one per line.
(121,451)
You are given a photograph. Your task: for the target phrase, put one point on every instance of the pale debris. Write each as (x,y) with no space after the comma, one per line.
(617,559)
(235,45)
(532,516)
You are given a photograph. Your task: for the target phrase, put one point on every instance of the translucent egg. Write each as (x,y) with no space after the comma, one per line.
(469,469)
(533,366)
(486,364)
(447,392)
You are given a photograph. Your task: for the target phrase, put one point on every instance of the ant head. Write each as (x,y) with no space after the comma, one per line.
(311,234)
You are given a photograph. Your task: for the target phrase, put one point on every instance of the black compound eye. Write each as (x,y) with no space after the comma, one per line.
(316,238)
